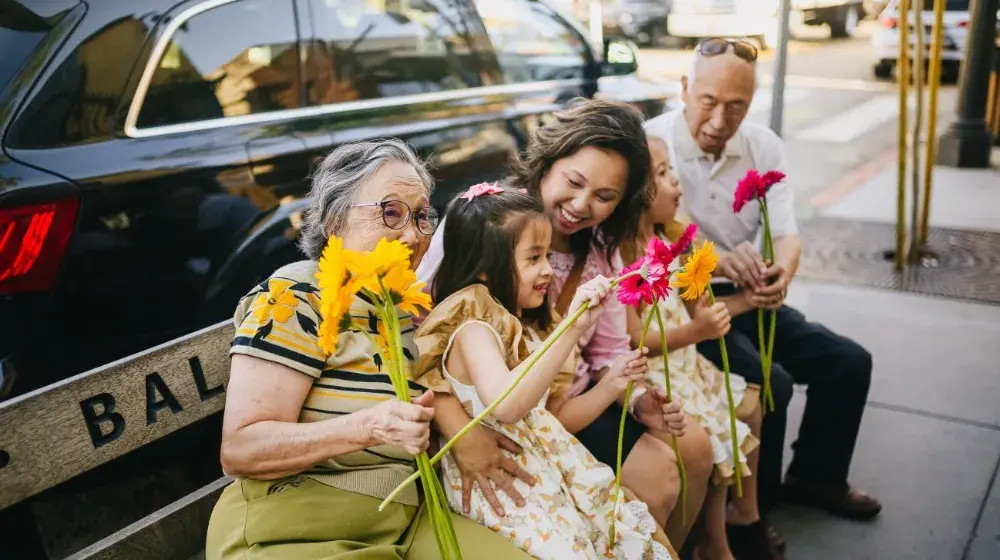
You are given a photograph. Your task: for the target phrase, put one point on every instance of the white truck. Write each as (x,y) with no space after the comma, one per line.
(759,19)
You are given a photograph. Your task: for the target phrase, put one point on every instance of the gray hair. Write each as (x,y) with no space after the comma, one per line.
(338,180)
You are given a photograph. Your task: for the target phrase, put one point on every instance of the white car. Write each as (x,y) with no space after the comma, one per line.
(758,19)
(956,26)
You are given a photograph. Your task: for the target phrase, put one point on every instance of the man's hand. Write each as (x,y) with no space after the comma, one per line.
(772,294)
(744,266)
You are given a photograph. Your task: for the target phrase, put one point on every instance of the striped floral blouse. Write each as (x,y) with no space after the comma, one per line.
(278,322)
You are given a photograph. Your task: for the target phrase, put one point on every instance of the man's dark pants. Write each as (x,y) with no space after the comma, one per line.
(837,372)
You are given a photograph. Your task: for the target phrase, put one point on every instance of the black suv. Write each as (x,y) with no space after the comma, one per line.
(155,152)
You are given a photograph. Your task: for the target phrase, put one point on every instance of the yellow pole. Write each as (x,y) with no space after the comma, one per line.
(903,77)
(935,83)
(919,56)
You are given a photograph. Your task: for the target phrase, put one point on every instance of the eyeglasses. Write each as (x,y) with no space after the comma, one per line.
(396,214)
(716,46)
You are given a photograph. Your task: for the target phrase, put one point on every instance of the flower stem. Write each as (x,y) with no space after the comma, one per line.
(670,398)
(769,393)
(737,468)
(621,436)
(767,352)
(437,504)
(532,360)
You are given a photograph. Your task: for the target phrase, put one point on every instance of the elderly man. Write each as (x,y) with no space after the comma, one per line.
(712,148)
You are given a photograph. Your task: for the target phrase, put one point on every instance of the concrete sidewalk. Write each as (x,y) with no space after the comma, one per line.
(930,441)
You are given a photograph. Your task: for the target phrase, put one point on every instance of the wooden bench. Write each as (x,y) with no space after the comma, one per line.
(78,426)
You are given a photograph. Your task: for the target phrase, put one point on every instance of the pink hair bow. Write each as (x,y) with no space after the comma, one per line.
(481,189)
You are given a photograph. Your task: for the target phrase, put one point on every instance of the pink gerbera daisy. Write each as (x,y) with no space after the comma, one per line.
(685,240)
(635,290)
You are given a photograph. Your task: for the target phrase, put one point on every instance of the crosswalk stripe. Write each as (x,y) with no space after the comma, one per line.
(764,97)
(853,122)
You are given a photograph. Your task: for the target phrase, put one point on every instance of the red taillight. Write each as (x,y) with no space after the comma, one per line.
(963,24)
(33,240)
(888,22)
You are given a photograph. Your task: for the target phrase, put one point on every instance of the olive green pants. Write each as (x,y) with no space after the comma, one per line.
(302,519)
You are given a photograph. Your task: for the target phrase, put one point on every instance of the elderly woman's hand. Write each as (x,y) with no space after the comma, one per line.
(481,458)
(405,425)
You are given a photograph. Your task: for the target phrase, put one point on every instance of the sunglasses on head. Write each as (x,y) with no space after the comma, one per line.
(715,47)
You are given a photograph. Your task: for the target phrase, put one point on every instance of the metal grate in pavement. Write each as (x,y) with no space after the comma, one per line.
(965,265)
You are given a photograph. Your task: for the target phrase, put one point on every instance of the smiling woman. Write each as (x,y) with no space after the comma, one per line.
(589,168)
(316,439)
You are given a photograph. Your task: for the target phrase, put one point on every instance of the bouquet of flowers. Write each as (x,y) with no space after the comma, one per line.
(383,278)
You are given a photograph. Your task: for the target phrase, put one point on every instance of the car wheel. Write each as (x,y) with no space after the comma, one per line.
(846,24)
(883,70)
(655,37)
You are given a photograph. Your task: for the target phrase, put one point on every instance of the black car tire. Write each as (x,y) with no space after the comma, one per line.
(845,25)
(883,69)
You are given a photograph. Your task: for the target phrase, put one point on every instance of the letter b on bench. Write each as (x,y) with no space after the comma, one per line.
(100,410)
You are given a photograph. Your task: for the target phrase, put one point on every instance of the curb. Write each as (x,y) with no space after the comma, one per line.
(853,180)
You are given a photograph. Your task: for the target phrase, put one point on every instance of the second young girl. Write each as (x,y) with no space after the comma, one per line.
(495,272)
(700,385)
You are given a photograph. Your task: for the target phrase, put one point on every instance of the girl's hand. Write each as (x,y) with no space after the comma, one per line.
(628,367)
(595,293)
(405,425)
(653,410)
(710,321)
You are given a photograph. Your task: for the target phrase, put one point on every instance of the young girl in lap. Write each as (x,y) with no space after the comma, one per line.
(495,272)
(699,385)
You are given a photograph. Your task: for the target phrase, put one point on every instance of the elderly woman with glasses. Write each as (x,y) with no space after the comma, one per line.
(314,440)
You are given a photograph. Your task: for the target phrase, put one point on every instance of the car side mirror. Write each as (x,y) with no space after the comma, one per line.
(621,57)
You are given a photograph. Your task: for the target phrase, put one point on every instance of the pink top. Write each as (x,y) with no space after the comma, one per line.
(600,345)
(606,340)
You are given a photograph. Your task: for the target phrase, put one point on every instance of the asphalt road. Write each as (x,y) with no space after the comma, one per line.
(840,123)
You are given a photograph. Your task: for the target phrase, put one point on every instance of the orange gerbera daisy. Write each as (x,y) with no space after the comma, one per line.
(697,272)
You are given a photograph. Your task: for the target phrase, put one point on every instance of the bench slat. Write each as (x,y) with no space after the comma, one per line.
(176,532)
(60,431)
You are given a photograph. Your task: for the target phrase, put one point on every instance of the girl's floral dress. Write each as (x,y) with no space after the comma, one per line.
(568,509)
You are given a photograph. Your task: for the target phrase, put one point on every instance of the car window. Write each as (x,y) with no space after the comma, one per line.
(77,99)
(236,59)
(16,46)
(531,43)
(372,50)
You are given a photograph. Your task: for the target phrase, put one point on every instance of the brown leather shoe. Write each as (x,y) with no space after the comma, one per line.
(776,539)
(842,501)
(752,542)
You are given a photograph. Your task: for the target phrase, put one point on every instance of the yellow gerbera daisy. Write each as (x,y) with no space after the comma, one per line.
(369,267)
(279,302)
(697,273)
(405,291)
(336,293)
